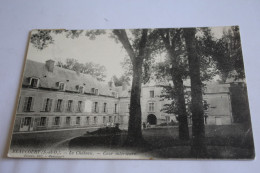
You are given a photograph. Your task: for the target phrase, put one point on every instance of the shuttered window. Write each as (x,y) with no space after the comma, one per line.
(68,119)
(47,104)
(115,109)
(78,120)
(87,120)
(95,120)
(95,107)
(104,120)
(43,121)
(28,104)
(56,121)
(69,106)
(79,106)
(105,108)
(59,105)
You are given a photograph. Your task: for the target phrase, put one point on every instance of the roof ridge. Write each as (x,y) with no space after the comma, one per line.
(68,70)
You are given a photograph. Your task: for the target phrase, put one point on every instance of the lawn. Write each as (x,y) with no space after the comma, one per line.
(223,142)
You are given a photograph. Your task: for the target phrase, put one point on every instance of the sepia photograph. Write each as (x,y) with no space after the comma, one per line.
(159,93)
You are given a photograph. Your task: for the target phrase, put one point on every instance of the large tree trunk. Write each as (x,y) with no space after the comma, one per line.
(170,45)
(198,148)
(181,106)
(134,137)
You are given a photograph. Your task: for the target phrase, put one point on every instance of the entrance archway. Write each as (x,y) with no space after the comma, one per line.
(151,119)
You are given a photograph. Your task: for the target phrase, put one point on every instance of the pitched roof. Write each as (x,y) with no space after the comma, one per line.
(123,91)
(70,78)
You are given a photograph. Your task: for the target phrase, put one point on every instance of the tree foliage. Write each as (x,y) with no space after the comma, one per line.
(176,64)
(150,51)
(226,53)
(42,38)
(96,70)
(120,81)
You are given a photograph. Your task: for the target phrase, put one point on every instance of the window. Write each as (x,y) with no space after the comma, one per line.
(81,89)
(95,107)
(128,108)
(114,119)
(19,103)
(115,94)
(67,120)
(115,110)
(61,86)
(59,105)
(69,106)
(56,121)
(87,120)
(43,121)
(104,120)
(110,119)
(79,106)
(151,94)
(47,105)
(78,120)
(95,120)
(27,121)
(105,108)
(94,91)
(167,119)
(151,107)
(34,82)
(28,104)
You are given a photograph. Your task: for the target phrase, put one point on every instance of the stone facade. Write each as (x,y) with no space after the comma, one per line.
(82,112)
(56,98)
(219,111)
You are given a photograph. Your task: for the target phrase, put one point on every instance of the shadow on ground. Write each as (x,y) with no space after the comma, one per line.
(223,142)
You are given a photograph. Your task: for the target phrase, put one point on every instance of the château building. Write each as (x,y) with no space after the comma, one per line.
(52,97)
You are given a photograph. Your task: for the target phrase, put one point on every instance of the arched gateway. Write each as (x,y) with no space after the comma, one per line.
(151,119)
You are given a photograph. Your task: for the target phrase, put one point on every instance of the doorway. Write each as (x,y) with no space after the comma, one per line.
(151,119)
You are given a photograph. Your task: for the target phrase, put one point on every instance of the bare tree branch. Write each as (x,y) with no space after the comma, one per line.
(122,37)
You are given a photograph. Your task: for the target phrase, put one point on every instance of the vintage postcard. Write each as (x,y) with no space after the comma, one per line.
(133,94)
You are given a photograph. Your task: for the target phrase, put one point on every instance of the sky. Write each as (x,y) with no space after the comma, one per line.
(103,50)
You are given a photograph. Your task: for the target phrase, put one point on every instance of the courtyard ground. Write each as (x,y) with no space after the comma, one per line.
(223,142)
(226,141)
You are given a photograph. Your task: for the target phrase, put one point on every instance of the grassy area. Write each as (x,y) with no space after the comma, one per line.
(227,141)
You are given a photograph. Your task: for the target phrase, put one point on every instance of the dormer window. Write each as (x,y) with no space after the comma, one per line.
(61,86)
(94,91)
(115,94)
(81,89)
(34,82)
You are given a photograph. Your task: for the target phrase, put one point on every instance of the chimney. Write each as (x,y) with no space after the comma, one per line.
(77,69)
(50,65)
(111,83)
